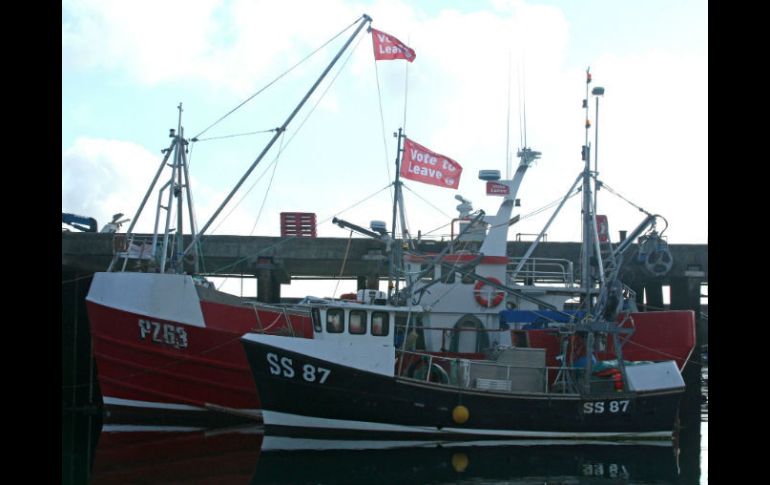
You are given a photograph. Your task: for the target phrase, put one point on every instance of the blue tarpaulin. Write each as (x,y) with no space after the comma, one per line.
(530,319)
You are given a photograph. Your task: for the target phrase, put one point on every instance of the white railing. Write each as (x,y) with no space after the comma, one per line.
(490,376)
(133,247)
(543,270)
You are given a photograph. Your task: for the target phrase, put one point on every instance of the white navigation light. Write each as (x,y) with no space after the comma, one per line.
(489,175)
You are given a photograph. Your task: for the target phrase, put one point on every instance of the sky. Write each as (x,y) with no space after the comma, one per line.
(126,66)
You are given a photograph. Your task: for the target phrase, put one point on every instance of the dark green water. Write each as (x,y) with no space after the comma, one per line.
(93,453)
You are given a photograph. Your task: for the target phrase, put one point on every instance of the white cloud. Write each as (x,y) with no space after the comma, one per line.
(654,116)
(104,177)
(154,41)
(227,44)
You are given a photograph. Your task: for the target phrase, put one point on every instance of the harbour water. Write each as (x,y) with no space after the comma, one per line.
(98,453)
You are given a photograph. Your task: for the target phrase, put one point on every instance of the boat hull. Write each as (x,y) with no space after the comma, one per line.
(167,368)
(351,402)
(657,336)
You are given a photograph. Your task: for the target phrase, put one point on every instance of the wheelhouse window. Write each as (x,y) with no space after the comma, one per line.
(380,324)
(357,324)
(335,320)
(316,315)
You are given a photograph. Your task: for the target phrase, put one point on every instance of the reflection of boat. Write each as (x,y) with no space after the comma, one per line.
(165,341)
(296,461)
(157,454)
(164,454)
(457,370)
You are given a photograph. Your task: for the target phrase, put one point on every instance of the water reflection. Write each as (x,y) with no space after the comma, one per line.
(152,454)
(350,462)
(175,454)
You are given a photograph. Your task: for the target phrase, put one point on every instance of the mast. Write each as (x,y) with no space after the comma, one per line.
(396,201)
(597,91)
(586,282)
(174,186)
(178,182)
(177,189)
(190,208)
(278,132)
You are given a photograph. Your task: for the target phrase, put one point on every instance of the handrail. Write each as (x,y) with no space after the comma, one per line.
(461,371)
(543,270)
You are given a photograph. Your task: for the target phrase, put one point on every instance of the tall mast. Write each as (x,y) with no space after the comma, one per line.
(178,182)
(586,282)
(396,201)
(278,132)
(177,189)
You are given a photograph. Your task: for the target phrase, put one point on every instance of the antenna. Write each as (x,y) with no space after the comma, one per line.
(597,91)
(508,124)
(524,103)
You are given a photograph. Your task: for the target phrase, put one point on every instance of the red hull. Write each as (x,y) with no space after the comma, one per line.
(657,336)
(137,368)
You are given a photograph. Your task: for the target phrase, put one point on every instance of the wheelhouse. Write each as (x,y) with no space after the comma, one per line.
(356,322)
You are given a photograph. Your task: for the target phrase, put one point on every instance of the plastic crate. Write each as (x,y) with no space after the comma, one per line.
(298,224)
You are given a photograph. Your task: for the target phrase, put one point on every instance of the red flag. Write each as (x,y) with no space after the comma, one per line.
(387,47)
(423,165)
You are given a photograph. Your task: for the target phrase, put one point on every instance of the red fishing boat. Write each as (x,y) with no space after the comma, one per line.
(165,340)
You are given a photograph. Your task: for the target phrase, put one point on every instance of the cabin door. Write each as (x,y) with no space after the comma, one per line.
(469,335)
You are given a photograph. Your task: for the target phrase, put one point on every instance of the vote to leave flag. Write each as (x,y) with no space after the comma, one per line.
(420,164)
(387,47)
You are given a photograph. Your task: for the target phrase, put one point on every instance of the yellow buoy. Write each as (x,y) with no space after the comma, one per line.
(460,414)
(459,462)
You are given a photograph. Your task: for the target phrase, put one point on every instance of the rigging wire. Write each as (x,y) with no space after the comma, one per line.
(236,135)
(613,192)
(274,80)
(235,206)
(406,83)
(269,185)
(521,122)
(344,260)
(531,214)
(382,122)
(524,101)
(299,128)
(324,221)
(287,239)
(508,123)
(426,201)
(549,205)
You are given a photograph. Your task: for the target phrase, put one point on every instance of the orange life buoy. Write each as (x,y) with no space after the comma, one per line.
(483,301)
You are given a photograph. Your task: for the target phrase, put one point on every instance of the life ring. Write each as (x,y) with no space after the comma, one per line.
(483,301)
